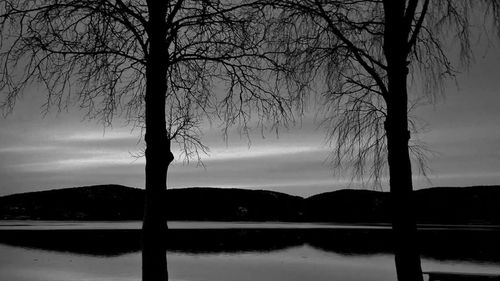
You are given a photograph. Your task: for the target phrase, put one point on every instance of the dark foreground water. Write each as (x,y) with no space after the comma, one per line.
(206,251)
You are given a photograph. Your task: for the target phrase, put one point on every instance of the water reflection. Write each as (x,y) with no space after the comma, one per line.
(449,245)
(86,242)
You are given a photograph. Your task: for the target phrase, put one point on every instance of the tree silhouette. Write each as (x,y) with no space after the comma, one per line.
(155,62)
(364,52)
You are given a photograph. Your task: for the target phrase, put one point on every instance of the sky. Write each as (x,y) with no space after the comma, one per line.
(462,128)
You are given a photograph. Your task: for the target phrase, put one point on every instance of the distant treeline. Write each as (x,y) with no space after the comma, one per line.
(439,205)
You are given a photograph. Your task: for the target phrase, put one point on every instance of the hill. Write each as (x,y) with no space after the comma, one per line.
(348,206)
(223,204)
(116,202)
(99,202)
(439,205)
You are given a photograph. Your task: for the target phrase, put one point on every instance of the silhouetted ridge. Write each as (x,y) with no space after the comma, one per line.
(116,202)
(224,204)
(99,202)
(474,204)
(440,205)
(437,205)
(349,205)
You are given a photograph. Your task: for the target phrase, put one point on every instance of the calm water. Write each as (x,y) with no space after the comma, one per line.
(36,251)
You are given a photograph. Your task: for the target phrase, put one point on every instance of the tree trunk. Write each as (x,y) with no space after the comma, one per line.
(158,152)
(406,253)
(404,227)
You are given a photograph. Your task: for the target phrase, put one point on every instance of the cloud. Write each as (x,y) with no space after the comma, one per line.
(63,165)
(240,152)
(26,149)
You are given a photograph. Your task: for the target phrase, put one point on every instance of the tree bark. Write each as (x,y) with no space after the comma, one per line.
(404,227)
(407,258)
(158,150)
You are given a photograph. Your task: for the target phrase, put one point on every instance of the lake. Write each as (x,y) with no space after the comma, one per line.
(223,251)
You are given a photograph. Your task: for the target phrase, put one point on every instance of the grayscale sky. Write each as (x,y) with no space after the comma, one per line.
(61,150)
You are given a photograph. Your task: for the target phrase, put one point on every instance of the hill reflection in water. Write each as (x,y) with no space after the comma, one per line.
(453,244)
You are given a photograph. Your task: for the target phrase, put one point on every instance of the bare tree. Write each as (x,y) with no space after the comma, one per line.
(365,51)
(156,62)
